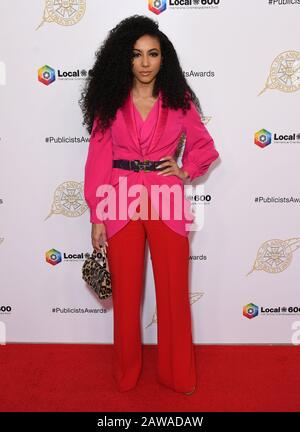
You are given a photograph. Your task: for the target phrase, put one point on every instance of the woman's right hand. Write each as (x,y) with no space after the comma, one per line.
(99,236)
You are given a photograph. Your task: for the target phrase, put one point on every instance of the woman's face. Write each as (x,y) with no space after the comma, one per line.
(146,59)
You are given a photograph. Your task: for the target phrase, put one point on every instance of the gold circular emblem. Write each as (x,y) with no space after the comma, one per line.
(284,73)
(274,256)
(63,12)
(69,200)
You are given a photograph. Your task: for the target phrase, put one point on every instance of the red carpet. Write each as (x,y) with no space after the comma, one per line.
(57,377)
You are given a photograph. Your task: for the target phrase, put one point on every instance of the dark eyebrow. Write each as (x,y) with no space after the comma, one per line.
(152,49)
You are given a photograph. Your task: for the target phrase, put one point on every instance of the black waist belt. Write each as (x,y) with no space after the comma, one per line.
(137,165)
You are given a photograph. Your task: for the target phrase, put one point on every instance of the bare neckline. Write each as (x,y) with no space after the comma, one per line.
(153,106)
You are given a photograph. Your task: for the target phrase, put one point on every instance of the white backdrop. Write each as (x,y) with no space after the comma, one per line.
(229,51)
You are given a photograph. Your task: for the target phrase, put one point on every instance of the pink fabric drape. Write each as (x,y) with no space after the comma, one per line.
(145,128)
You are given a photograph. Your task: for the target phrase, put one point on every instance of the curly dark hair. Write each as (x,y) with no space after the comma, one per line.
(111,78)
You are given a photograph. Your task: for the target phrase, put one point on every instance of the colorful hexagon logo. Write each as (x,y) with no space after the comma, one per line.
(250,310)
(53,256)
(157,6)
(262,138)
(46,75)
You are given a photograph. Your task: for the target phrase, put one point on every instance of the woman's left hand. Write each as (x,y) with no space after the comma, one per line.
(172,168)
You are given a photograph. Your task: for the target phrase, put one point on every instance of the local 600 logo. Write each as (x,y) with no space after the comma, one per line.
(157,6)
(5,309)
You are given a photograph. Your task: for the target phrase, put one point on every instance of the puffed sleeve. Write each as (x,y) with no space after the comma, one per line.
(199,151)
(98,168)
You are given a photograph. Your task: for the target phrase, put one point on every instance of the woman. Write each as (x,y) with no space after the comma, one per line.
(136,105)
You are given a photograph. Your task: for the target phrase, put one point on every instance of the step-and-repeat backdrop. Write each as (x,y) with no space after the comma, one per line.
(242,58)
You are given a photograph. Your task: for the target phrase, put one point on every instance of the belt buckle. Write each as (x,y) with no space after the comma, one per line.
(136,166)
(144,165)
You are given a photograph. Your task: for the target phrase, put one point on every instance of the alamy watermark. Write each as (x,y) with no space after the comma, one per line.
(168,203)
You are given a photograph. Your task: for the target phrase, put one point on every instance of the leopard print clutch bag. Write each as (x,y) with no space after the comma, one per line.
(95,273)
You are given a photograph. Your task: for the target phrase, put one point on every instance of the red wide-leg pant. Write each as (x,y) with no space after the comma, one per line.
(170,260)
